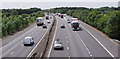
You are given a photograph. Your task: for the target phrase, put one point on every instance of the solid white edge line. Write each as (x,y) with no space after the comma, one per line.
(99,42)
(53,40)
(37,44)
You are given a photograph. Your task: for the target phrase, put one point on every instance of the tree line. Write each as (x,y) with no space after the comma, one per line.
(106,19)
(16,19)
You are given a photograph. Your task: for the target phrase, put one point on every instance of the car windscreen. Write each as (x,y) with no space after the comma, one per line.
(27,40)
(57,42)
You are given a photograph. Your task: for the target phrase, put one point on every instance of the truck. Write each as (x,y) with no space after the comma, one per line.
(39,21)
(75,24)
(61,15)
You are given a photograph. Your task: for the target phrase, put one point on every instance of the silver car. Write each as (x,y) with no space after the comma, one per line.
(28,41)
(58,45)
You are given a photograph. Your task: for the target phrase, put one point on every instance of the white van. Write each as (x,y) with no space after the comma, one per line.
(28,41)
(40,21)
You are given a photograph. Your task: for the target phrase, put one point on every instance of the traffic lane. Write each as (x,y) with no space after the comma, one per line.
(77,49)
(18,44)
(101,38)
(12,37)
(9,48)
(105,41)
(95,48)
(60,34)
(23,51)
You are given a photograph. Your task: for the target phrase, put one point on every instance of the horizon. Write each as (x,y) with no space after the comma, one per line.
(50,5)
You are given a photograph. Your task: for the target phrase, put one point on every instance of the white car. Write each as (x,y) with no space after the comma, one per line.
(28,41)
(48,21)
(58,45)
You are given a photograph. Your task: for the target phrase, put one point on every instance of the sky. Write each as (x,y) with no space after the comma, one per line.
(47,4)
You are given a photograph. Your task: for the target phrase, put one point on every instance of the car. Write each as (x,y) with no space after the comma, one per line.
(58,45)
(68,21)
(62,26)
(44,26)
(28,41)
(48,21)
(39,21)
(50,17)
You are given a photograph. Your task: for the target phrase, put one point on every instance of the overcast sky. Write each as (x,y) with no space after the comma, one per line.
(46,4)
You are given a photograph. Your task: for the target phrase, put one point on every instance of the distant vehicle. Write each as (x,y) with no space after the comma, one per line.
(62,15)
(58,45)
(50,17)
(47,17)
(48,21)
(28,41)
(62,26)
(59,14)
(44,26)
(68,20)
(75,25)
(39,21)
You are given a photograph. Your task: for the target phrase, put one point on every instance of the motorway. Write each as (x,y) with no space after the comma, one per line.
(16,48)
(86,42)
(83,43)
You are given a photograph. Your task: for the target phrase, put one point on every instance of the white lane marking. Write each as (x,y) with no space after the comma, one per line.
(68,57)
(21,45)
(53,40)
(84,44)
(11,53)
(67,41)
(41,54)
(68,48)
(18,37)
(91,55)
(66,36)
(99,42)
(37,44)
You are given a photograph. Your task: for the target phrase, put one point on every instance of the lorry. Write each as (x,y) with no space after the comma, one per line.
(61,15)
(75,24)
(39,21)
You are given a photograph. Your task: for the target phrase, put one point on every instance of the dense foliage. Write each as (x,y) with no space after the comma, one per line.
(105,19)
(16,19)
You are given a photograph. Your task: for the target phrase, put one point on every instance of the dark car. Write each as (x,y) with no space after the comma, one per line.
(62,26)
(44,26)
(68,21)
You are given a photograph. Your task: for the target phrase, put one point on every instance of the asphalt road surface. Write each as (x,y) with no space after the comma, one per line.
(83,43)
(16,48)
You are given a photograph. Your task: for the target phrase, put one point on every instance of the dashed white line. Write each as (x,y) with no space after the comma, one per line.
(99,42)
(66,36)
(67,41)
(21,44)
(84,44)
(68,48)
(68,57)
(11,53)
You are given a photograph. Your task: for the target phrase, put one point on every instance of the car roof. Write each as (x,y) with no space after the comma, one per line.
(28,37)
(40,18)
